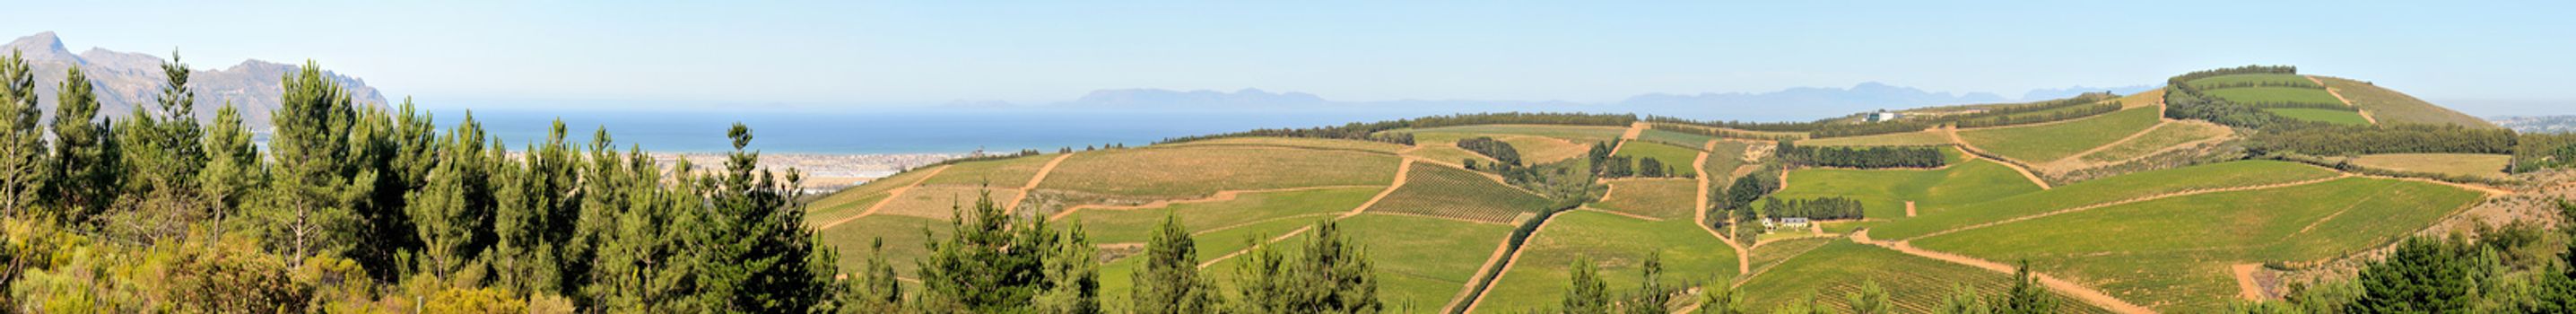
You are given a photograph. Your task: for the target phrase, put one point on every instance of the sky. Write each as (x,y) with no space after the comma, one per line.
(2485,58)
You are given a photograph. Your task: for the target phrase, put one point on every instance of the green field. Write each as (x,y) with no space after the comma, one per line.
(1577,134)
(1883,193)
(1674,138)
(1671,156)
(1199,171)
(904,241)
(2393,107)
(1456,193)
(940,201)
(1009,173)
(1771,254)
(2172,254)
(1669,199)
(1896,139)
(1722,161)
(1540,150)
(2476,165)
(1134,225)
(851,201)
(2321,115)
(2274,94)
(2210,83)
(2172,134)
(1617,245)
(1935,217)
(1449,152)
(2050,142)
(1914,284)
(1420,262)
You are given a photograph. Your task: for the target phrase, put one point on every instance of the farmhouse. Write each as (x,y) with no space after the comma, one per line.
(1788,222)
(1881,116)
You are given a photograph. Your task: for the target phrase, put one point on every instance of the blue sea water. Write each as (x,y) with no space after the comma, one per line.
(885,132)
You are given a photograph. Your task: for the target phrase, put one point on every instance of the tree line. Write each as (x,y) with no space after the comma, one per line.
(2318,138)
(1501,151)
(1375,131)
(1826,208)
(2081,105)
(1872,157)
(2535,151)
(355,207)
(2186,78)
(2288,84)
(1668,124)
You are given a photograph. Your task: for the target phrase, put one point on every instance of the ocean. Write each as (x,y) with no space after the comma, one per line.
(885,132)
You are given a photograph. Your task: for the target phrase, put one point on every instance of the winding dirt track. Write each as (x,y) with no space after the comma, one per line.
(2246,286)
(1974,152)
(1467,294)
(1033,182)
(2068,288)
(1515,260)
(890,196)
(1743,257)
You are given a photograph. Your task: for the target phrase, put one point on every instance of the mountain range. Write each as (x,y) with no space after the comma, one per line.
(1793,103)
(127,79)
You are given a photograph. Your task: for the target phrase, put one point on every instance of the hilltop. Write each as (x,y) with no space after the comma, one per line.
(126,78)
(2222,187)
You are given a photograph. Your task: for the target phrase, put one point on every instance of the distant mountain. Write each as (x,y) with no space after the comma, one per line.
(126,79)
(2537,124)
(1790,104)
(1159,98)
(2055,93)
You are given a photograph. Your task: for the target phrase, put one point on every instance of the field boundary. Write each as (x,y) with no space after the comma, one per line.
(2078,156)
(891,194)
(2068,288)
(1974,152)
(2133,200)
(1515,260)
(1466,294)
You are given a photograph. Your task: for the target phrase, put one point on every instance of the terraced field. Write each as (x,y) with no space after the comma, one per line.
(2273,94)
(1011,173)
(2393,107)
(1671,156)
(1838,266)
(2477,165)
(1896,139)
(2171,254)
(1134,225)
(2050,142)
(2321,115)
(1883,193)
(1938,216)
(1442,191)
(1577,134)
(1667,199)
(2170,135)
(1618,246)
(1191,172)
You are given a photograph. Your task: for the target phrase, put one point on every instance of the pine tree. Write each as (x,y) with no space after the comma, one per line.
(995,263)
(233,170)
(645,263)
(1721,298)
(1170,281)
(1651,296)
(320,176)
(1962,301)
(2026,296)
(85,158)
(23,157)
(762,257)
(1587,294)
(875,291)
(1073,277)
(450,213)
(166,141)
(1870,299)
(1327,275)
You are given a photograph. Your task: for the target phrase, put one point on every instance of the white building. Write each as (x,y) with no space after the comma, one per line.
(1881,116)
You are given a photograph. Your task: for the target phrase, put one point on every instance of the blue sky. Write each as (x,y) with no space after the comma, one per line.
(2475,56)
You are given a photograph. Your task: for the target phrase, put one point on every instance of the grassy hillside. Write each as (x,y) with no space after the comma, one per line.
(1936,217)
(1133,225)
(2476,165)
(1578,134)
(1671,156)
(1618,246)
(2273,95)
(2394,107)
(1381,147)
(2321,115)
(1457,193)
(1012,173)
(2220,82)
(2170,135)
(1541,150)
(851,201)
(1667,199)
(1896,139)
(2050,142)
(1674,138)
(1837,267)
(2172,254)
(1883,193)
(1204,170)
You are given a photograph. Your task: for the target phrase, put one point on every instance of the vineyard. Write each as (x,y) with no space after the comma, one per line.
(1450,192)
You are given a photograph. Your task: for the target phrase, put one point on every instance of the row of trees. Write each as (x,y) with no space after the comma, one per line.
(2082,105)
(1642,167)
(1826,208)
(1375,131)
(1499,150)
(353,207)
(2535,151)
(2186,78)
(2319,138)
(1862,157)
(1670,124)
(2288,84)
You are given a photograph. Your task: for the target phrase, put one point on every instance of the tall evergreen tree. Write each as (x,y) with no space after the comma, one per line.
(995,263)
(320,177)
(1721,298)
(22,140)
(450,213)
(1170,283)
(647,264)
(165,144)
(2026,296)
(1651,297)
(233,169)
(1327,275)
(875,290)
(1870,299)
(764,259)
(1587,293)
(85,156)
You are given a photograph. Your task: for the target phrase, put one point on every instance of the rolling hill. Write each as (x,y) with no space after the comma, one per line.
(2127,207)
